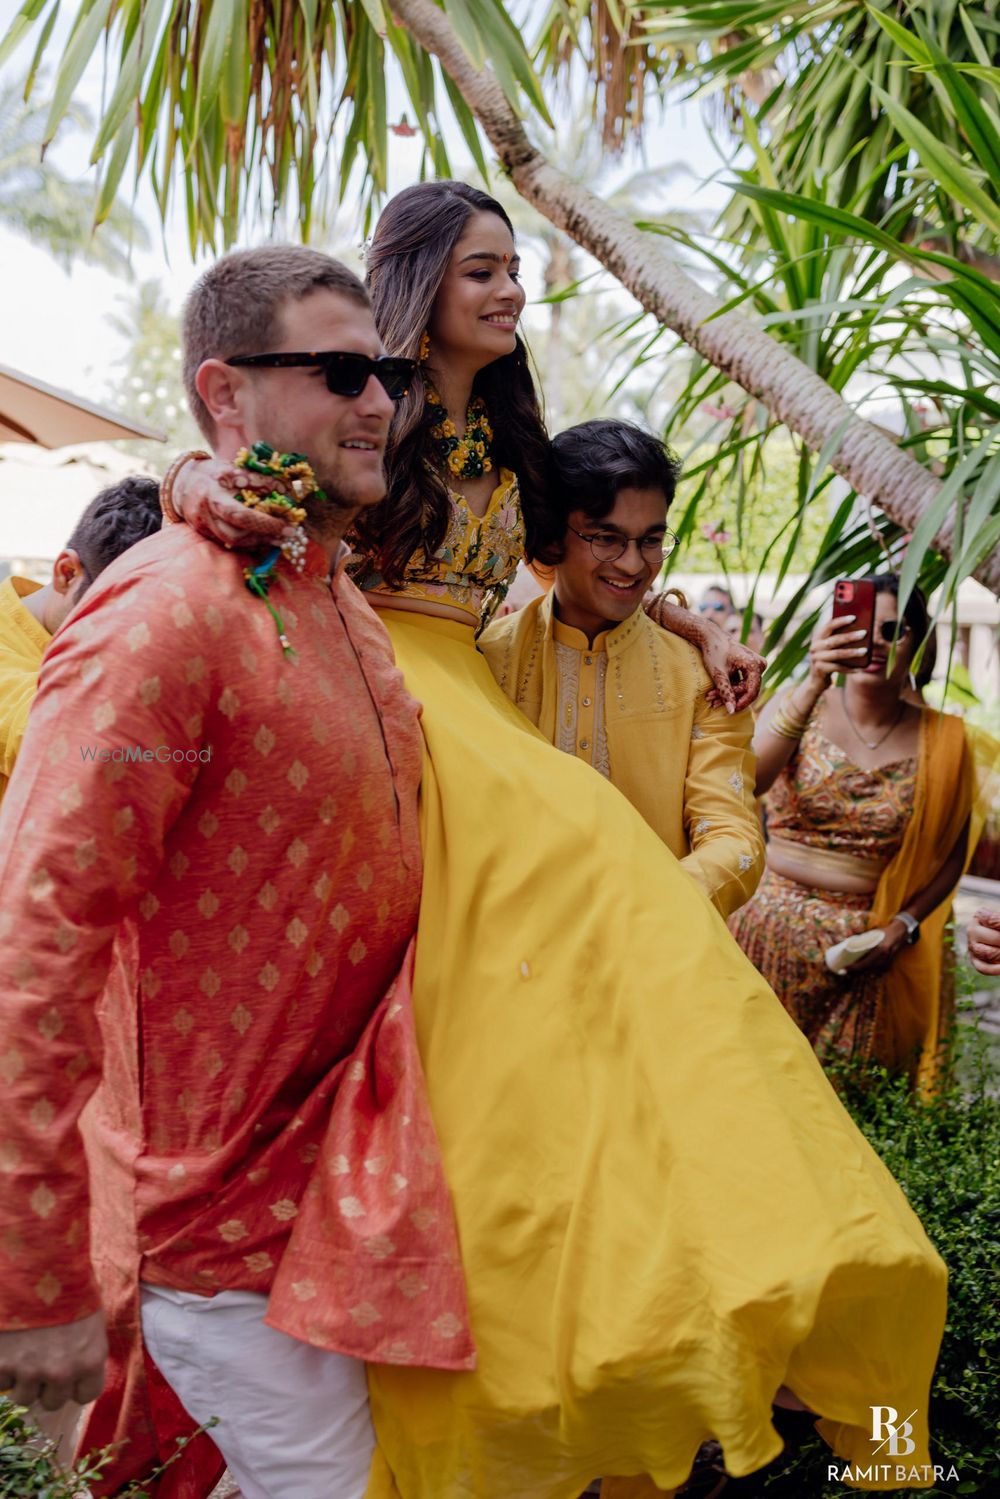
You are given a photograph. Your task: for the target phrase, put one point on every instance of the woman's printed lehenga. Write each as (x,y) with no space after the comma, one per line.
(664,1212)
(826,803)
(896,825)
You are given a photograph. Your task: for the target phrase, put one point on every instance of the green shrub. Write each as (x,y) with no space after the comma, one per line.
(30,1469)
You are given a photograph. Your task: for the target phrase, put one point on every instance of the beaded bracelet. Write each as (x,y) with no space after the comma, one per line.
(170,512)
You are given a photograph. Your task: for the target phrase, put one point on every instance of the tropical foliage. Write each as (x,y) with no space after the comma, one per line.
(46,206)
(863,230)
(855,259)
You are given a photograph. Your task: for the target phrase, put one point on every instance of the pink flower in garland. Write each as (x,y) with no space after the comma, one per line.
(715,534)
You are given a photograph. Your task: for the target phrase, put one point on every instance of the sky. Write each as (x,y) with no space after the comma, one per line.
(55,323)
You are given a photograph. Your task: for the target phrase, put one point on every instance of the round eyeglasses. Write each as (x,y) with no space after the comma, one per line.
(608,546)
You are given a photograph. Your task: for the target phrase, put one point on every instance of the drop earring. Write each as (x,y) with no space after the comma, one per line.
(424,351)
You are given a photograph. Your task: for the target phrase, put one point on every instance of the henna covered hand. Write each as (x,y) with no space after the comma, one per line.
(203,494)
(735,670)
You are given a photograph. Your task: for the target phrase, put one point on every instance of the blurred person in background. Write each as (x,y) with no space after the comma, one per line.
(31,613)
(716,602)
(872,813)
(733,626)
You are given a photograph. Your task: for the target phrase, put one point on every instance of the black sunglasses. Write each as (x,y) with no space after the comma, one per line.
(346,374)
(886,630)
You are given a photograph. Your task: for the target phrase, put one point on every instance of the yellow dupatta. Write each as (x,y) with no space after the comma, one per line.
(956,779)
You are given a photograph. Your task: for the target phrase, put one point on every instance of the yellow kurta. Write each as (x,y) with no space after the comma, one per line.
(664,1211)
(23,643)
(632,704)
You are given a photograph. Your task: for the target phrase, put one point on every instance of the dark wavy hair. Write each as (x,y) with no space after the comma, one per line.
(406,263)
(588,465)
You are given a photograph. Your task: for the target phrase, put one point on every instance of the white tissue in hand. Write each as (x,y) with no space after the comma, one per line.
(841,955)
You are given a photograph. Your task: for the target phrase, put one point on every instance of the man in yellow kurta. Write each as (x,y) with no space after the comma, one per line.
(603,682)
(31,613)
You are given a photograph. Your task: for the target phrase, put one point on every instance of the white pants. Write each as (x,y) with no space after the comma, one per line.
(293,1420)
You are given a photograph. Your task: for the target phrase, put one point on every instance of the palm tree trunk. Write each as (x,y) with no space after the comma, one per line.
(869,460)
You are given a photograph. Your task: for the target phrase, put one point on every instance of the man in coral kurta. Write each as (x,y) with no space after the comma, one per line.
(224,840)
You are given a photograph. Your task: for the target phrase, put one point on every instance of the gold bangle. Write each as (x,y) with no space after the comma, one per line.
(788,722)
(170,512)
(679,595)
(779,725)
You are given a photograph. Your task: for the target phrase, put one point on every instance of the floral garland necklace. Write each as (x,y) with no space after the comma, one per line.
(294,471)
(468,456)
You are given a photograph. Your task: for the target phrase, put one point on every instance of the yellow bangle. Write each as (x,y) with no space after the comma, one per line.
(170,513)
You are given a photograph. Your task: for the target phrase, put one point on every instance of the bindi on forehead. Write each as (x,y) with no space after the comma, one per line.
(491,255)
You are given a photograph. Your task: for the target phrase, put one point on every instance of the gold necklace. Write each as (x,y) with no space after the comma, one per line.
(872,744)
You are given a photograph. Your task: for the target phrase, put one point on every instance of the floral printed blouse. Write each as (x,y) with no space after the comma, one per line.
(475,563)
(823,800)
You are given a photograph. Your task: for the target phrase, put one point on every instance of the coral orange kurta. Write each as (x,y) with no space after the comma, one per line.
(249,878)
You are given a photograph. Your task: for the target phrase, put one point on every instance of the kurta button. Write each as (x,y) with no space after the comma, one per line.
(588,660)
(585,744)
(586,702)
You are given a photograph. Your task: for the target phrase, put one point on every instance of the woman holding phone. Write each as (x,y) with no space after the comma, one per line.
(870,801)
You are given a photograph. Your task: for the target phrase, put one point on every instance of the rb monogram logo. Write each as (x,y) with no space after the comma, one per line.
(885,1430)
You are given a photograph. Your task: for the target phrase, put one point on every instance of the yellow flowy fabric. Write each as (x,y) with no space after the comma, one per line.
(664,1211)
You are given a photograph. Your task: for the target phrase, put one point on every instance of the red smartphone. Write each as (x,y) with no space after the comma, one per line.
(857,598)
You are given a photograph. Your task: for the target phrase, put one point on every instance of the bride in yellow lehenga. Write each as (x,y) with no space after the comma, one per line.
(665,1214)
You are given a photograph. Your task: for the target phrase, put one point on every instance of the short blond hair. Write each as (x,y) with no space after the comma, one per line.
(235,306)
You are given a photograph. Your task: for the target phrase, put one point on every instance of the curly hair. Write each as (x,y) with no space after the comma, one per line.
(406,263)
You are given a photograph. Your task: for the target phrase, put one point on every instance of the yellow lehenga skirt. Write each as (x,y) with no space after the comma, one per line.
(664,1211)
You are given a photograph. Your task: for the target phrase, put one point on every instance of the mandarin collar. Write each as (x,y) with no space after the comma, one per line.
(612,641)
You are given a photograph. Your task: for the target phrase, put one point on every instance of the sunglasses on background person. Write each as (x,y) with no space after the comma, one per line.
(708,607)
(346,374)
(886,630)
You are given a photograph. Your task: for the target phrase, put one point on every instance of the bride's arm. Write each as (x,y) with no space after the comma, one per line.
(725,658)
(198,489)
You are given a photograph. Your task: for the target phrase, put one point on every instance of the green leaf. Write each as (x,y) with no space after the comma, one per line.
(934,518)
(460,14)
(89,24)
(902,36)
(467,124)
(43,42)
(211,58)
(131,72)
(507,53)
(234,82)
(114,171)
(946,165)
(21,25)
